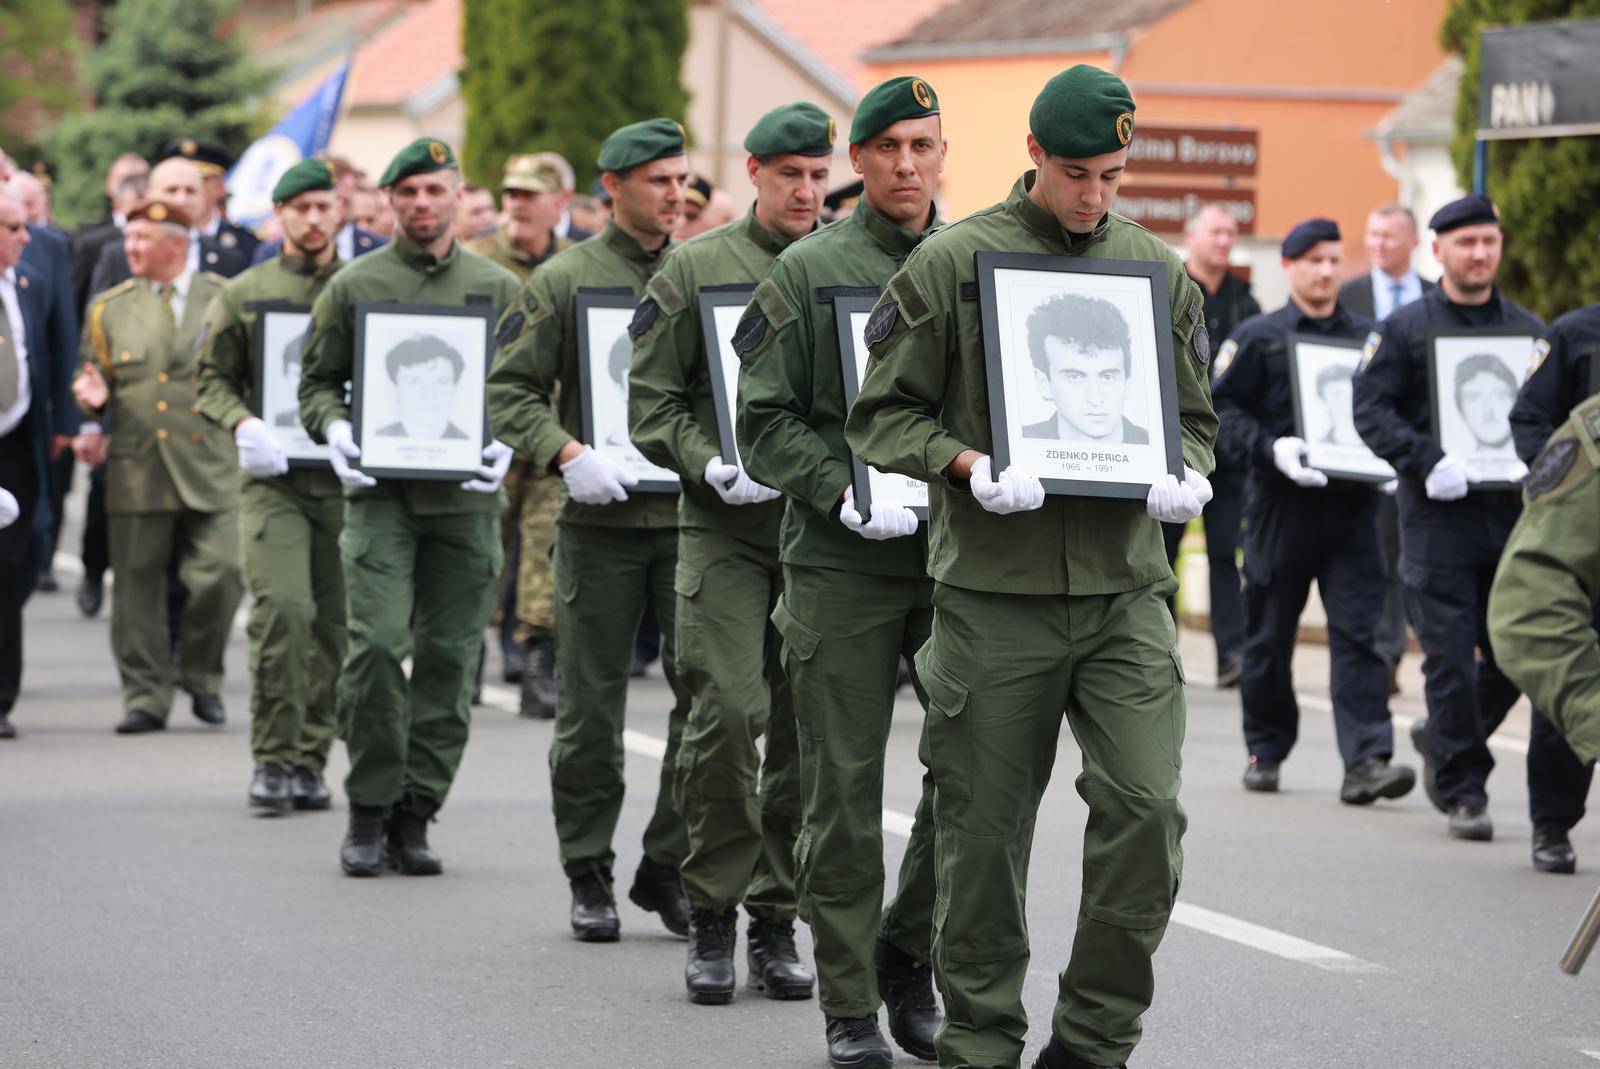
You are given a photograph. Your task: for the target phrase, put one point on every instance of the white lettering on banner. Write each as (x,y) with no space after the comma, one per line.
(1145,210)
(1521,104)
(1192,150)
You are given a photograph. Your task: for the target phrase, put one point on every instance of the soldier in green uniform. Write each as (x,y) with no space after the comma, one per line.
(531,201)
(171,486)
(421,558)
(611,549)
(857,596)
(741,843)
(1547,588)
(1042,607)
(288,520)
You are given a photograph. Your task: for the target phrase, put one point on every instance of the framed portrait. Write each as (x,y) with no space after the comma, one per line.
(1322,387)
(417,403)
(720,310)
(850,314)
(1082,391)
(605,353)
(280,335)
(1474,378)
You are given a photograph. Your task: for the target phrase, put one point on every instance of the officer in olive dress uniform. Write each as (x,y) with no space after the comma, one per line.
(1041,607)
(421,557)
(289,520)
(741,839)
(612,549)
(857,597)
(171,485)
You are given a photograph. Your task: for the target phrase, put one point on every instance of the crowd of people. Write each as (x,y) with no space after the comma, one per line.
(785,612)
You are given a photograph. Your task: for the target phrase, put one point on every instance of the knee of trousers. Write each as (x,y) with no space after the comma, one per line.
(281,624)
(712,774)
(1132,857)
(826,874)
(844,824)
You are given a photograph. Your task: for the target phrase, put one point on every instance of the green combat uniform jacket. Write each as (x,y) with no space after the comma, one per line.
(1542,606)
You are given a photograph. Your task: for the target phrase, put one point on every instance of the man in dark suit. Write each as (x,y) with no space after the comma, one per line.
(174,181)
(89,242)
(213,163)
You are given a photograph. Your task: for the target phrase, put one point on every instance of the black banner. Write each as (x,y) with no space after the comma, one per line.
(1540,80)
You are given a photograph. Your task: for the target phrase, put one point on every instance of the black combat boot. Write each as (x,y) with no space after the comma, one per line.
(409,852)
(775,966)
(1261,775)
(709,972)
(309,789)
(657,889)
(594,907)
(856,1043)
(1055,1056)
(1367,781)
(362,852)
(270,789)
(539,680)
(1552,851)
(906,986)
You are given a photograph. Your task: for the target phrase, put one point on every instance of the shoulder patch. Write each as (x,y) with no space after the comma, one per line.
(774,304)
(1369,349)
(665,294)
(907,292)
(1225,356)
(1201,343)
(510,327)
(752,330)
(1541,349)
(643,316)
(881,322)
(1549,468)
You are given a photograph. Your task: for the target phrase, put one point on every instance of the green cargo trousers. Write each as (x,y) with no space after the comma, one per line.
(602,575)
(142,544)
(290,540)
(843,636)
(417,585)
(741,839)
(1001,669)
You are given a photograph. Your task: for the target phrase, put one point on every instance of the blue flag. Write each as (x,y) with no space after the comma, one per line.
(303,132)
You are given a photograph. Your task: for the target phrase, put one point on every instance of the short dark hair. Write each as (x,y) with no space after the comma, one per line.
(1327,375)
(292,351)
(620,360)
(1092,322)
(1480,364)
(420,350)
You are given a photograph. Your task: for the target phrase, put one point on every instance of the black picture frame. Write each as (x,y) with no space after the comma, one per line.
(377,326)
(722,363)
(848,308)
(1147,273)
(268,391)
(599,310)
(1514,350)
(1378,470)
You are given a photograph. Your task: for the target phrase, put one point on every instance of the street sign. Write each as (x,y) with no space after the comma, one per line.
(1164,209)
(1193,151)
(1539,80)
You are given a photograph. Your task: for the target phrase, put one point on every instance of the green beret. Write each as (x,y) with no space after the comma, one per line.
(640,142)
(888,102)
(423,156)
(301,178)
(1082,112)
(800,129)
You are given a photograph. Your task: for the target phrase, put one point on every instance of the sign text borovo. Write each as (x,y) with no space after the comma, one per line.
(1172,150)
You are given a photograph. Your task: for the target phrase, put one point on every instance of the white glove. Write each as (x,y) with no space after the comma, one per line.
(259,451)
(1519,473)
(593,480)
(1173,502)
(490,475)
(1390,487)
(734,486)
(9,509)
(887,521)
(1014,491)
(342,449)
(1287,454)
(1448,480)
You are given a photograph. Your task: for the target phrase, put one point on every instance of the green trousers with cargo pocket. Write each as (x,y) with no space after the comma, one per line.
(1001,671)
(741,809)
(601,577)
(418,585)
(843,636)
(290,540)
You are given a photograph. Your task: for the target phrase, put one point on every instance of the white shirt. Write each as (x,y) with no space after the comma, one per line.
(344,242)
(1383,298)
(563,225)
(19,341)
(193,263)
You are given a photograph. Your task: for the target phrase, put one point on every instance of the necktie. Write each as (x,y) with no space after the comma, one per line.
(165,290)
(1394,294)
(10,375)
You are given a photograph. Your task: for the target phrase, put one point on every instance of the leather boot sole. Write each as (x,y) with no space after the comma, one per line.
(1562,867)
(870,1060)
(1398,787)
(272,807)
(598,933)
(718,997)
(427,868)
(779,992)
(360,871)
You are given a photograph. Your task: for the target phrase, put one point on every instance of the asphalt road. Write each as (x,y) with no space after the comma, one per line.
(147,918)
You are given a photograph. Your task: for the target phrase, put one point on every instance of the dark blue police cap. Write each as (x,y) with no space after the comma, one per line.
(1470,210)
(1307,234)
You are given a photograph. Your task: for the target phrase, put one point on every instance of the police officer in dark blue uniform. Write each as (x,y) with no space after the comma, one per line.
(1298,528)
(1451,534)
(1565,373)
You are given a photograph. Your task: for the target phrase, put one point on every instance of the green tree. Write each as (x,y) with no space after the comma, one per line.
(1546,188)
(561,74)
(167,68)
(36,42)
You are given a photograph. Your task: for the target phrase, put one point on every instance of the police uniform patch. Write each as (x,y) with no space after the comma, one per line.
(1369,348)
(510,327)
(1549,468)
(1225,357)
(881,322)
(1541,349)
(226,239)
(749,333)
(643,316)
(1200,336)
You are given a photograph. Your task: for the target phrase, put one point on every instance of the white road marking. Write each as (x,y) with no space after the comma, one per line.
(1595,1054)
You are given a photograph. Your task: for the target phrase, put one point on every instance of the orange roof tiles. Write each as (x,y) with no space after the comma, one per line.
(838,31)
(412,53)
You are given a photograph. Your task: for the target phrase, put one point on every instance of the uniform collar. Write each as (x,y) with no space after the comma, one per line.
(415,256)
(307,267)
(1491,305)
(1328,324)
(1042,221)
(502,242)
(896,240)
(626,245)
(764,236)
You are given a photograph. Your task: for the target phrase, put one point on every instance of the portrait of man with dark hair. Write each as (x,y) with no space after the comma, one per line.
(425,371)
(290,417)
(1485,390)
(1336,390)
(1082,356)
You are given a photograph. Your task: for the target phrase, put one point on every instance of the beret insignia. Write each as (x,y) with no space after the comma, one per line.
(1541,349)
(919,93)
(1369,349)
(188,147)
(643,316)
(750,332)
(1125,127)
(510,327)
(1549,468)
(881,322)
(833,131)
(1225,357)
(437,152)
(156,212)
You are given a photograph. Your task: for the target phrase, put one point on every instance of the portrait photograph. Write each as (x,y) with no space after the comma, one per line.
(871,485)
(417,404)
(1322,386)
(605,353)
(1082,391)
(280,335)
(720,310)
(1474,379)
